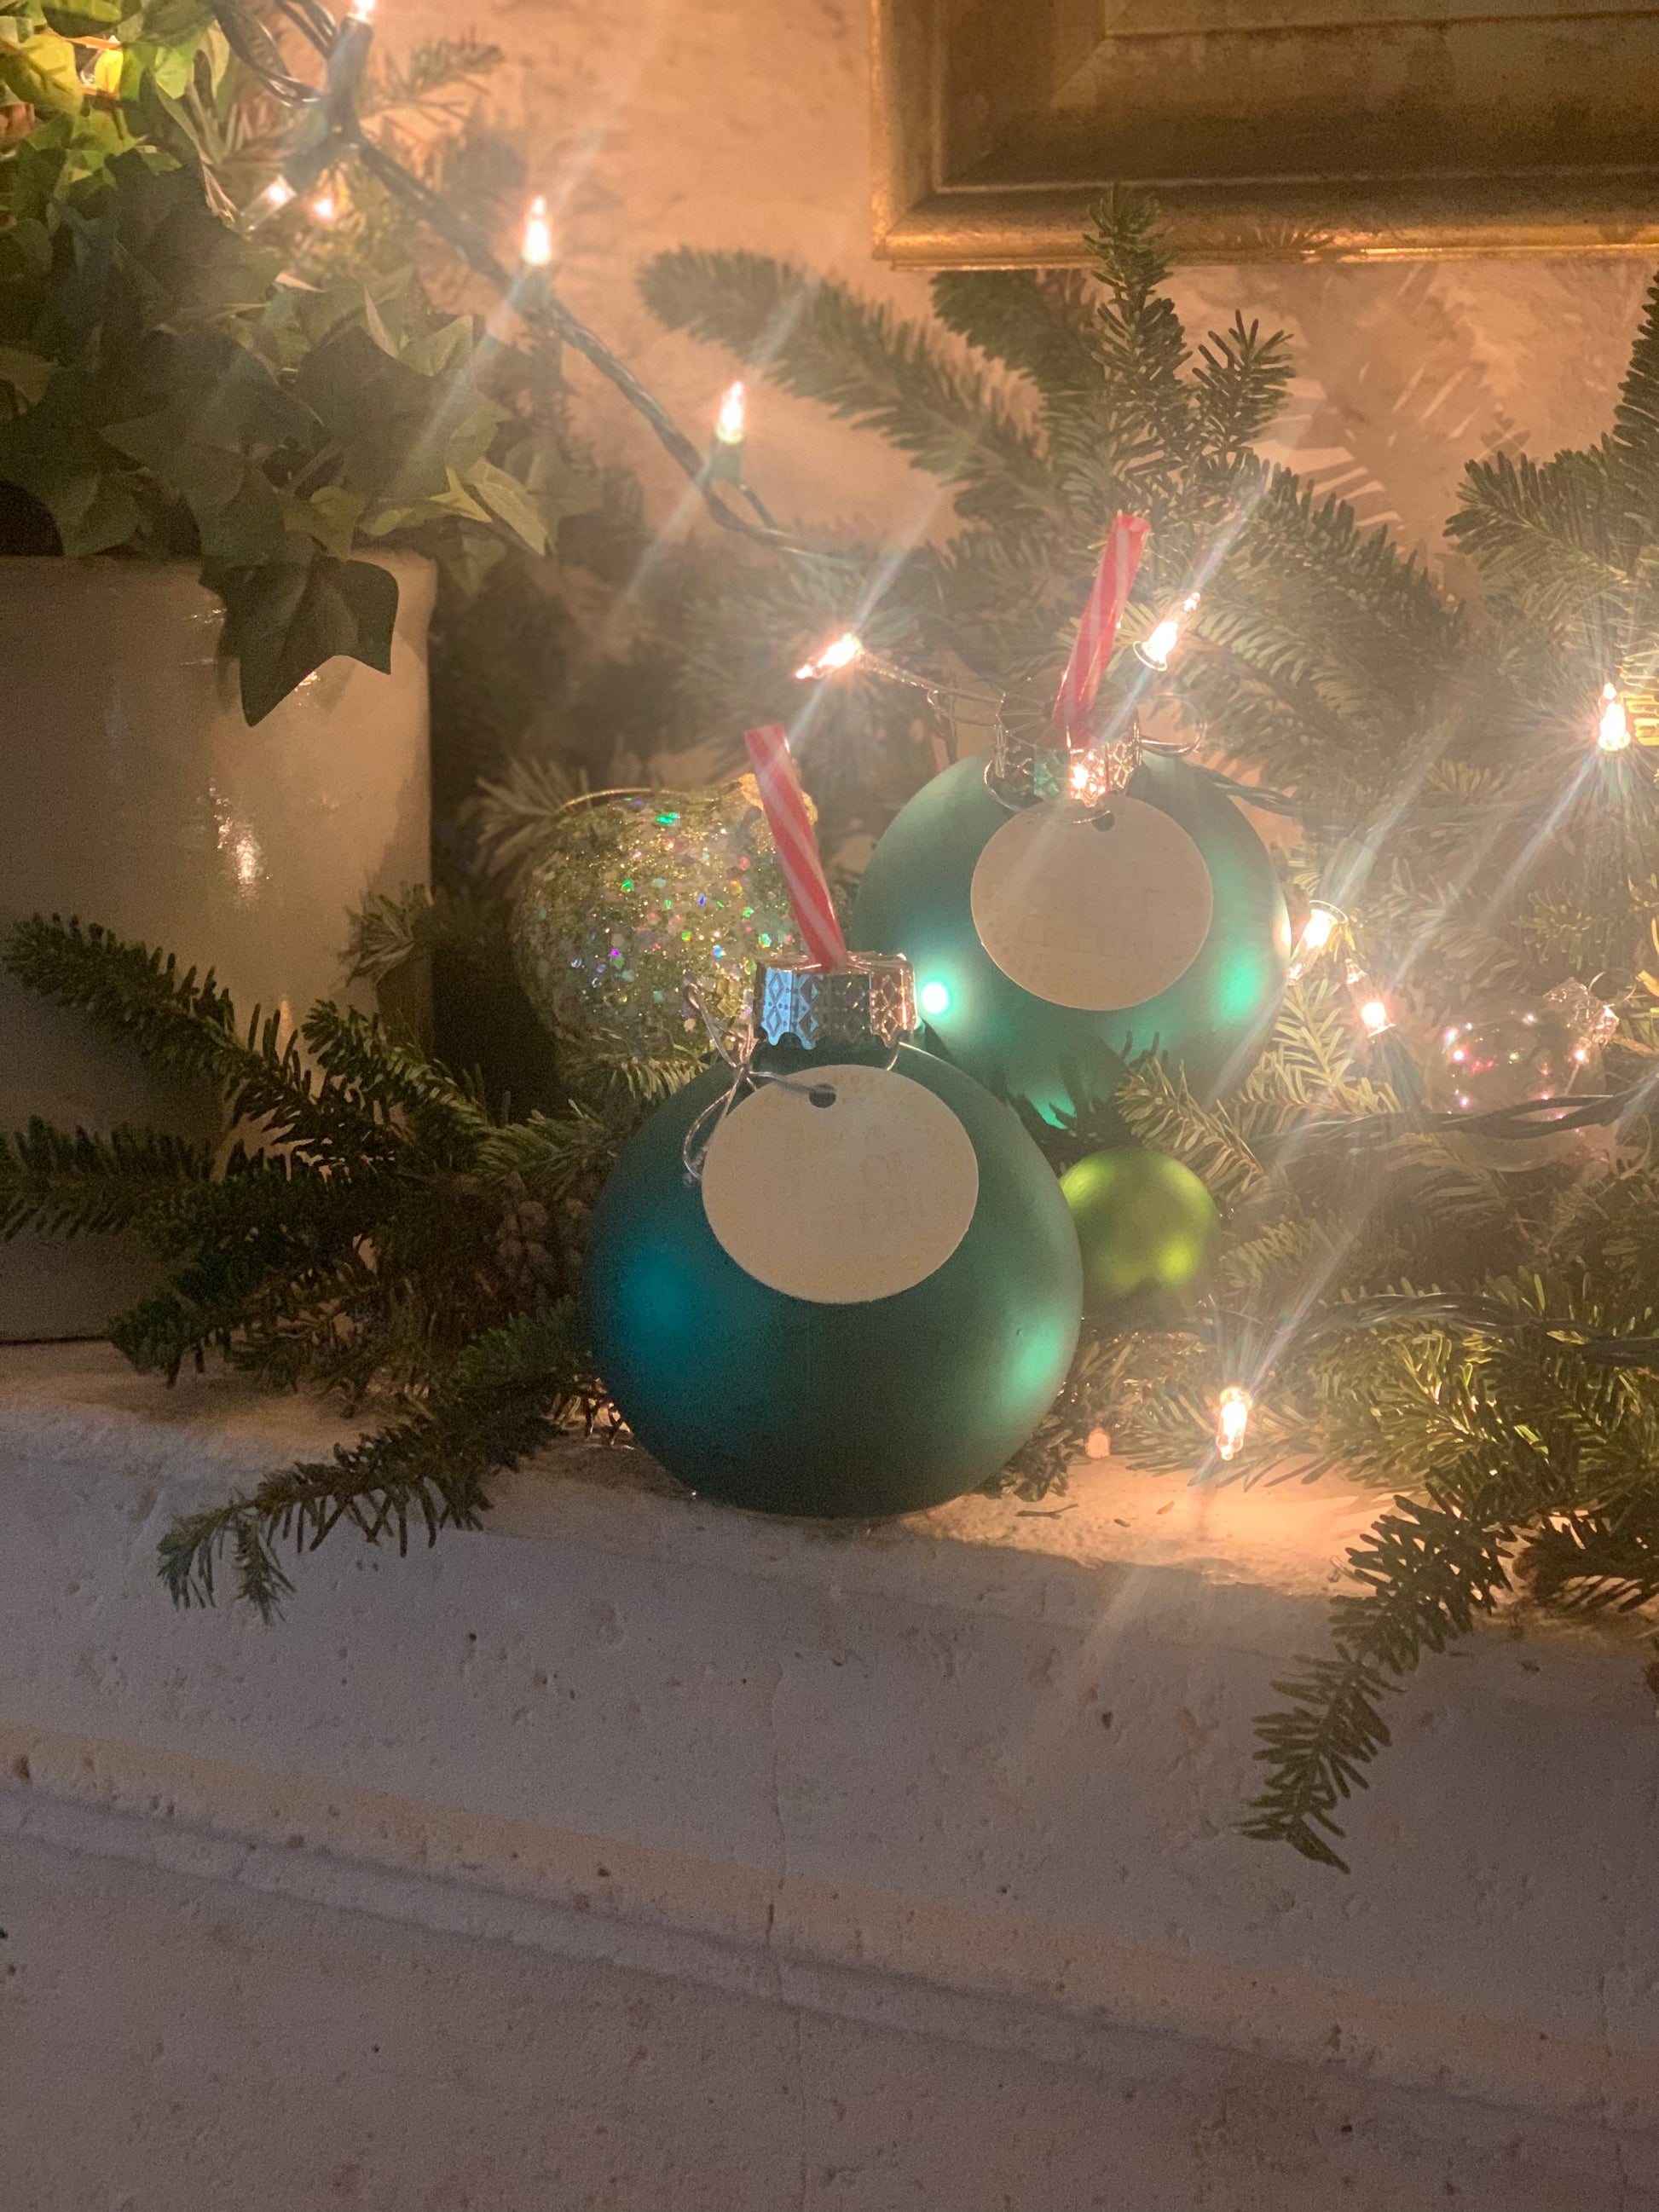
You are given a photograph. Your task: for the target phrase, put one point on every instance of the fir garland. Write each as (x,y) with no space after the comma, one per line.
(1479,1343)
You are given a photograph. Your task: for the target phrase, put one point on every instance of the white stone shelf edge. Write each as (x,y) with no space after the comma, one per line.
(973,1776)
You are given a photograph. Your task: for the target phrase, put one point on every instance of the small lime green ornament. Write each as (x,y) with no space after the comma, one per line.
(1147,1224)
(639,895)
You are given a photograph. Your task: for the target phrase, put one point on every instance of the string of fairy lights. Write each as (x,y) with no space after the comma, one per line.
(1619,720)
(329,134)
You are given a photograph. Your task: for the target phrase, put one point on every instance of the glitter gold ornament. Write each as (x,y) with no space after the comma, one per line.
(639,895)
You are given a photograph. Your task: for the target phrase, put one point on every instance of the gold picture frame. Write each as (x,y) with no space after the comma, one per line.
(1270,130)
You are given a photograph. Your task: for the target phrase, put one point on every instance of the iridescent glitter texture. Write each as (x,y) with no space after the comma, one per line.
(639,895)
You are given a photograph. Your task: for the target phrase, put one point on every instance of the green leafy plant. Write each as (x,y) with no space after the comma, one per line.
(164,392)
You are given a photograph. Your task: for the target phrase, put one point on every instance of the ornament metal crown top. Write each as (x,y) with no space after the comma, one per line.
(1027,770)
(872,999)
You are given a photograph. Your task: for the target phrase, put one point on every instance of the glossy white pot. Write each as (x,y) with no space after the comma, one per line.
(133,793)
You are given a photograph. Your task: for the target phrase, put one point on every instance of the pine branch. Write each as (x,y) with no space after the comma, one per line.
(273,1247)
(1427,1568)
(1595,1559)
(1240,385)
(560,1156)
(512,816)
(816,339)
(60,1185)
(505,1400)
(382,1079)
(388,933)
(1142,345)
(1553,536)
(130,992)
(187,1026)
(1163,1114)
(1038,324)
(1635,440)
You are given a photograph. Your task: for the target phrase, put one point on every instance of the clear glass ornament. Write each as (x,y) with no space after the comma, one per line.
(1507,1053)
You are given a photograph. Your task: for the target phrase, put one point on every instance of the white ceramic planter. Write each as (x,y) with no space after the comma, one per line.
(136,795)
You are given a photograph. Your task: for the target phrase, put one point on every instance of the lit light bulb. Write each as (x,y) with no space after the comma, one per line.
(840,653)
(277,193)
(1316,931)
(1155,648)
(729,422)
(935,999)
(326,209)
(1232,1420)
(536,251)
(1375,1014)
(1613,729)
(361,10)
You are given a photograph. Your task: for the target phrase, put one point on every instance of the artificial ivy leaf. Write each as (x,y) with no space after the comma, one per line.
(24,374)
(440,352)
(299,317)
(225,414)
(558,487)
(330,515)
(399,432)
(173,23)
(187,264)
(38,174)
(507,499)
(87,19)
(285,618)
(170,67)
(54,453)
(32,240)
(43,72)
(468,557)
(374,324)
(454,500)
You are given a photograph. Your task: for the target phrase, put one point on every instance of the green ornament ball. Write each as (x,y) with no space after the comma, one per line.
(638,895)
(787,1404)
(1065,1061)
(1146,1226)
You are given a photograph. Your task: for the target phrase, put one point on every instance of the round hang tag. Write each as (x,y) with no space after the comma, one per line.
(841,1184)
(1088,915)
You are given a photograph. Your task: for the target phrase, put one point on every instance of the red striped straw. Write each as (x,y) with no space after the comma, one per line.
(1096,630)
(797,842)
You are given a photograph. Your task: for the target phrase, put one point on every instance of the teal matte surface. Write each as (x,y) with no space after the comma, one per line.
(788,1407)
(1214,1021)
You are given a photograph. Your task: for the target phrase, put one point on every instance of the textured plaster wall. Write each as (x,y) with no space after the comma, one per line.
(657,123)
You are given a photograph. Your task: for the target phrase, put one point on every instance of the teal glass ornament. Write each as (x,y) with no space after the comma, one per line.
(1064,1061)
(833,1404)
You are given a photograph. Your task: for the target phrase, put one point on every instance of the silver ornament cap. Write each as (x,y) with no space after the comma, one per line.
(872,999)
(1022,771)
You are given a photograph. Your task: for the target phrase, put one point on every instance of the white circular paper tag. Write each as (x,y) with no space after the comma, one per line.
(1088,916)
(841,1185)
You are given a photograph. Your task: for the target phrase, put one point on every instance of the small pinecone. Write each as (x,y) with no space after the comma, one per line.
(523,1245)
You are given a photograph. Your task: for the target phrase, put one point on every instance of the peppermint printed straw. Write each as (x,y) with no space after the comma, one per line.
(797,842)
(1096,630)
